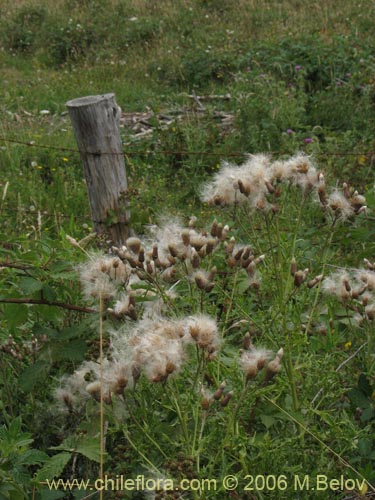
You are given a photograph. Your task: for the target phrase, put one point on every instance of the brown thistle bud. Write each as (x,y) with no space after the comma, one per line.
(212,273)
(230,245)
(269,187)
(369,265)
(299,278)
(259,259)
(173,250)
(202,252)
(192,221)
(194,259)
(322,195)
(244,189)
(206,403)
(132,261)
(293,266)
(251,269)
(228,396)
(219,230)
(155,252)
(170,368)
(370,311)
(245,263)
(169,275)
(247,344)
(172,260)
(231,262)
(67,399)
(274,366)
(239,253)
(210,245)
(131,312)
(315,281)
(136,373)
(219,392)
(246,253)
(224,233)
(134,244)
(120,385)
(346,190)
(185,235)
(94,390)
(206,399)
(194,331)
(141,255)
(347,285)
(213,230)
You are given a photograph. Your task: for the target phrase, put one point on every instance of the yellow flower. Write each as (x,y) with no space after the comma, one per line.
(347,345)
(65,159)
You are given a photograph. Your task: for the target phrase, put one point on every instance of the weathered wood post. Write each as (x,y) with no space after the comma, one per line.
(95,121)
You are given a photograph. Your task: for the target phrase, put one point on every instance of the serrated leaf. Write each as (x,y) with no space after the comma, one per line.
(90,449)
(54,466)
(33,375)
(32,457)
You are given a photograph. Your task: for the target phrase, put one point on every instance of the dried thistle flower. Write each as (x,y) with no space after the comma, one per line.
(253,360)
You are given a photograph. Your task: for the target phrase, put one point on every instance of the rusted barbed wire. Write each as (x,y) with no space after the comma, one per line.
(148,152)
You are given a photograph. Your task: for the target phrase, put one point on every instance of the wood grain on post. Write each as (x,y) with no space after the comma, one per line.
(95,121)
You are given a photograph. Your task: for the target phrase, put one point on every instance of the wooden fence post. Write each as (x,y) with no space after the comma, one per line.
(95,121)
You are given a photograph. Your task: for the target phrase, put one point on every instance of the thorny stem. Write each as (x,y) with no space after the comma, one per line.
(174,401)
(144,431)
(229,308)
(201,357)
(244,391)
(319,285)
(101,308)
(137,450)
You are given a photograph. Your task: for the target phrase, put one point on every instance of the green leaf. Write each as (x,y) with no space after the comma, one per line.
(358,399)
(54,466)
(268,420)
(32,457)
(29,285)
(368,414)
(33,375)
(364,447)
(364,385)
(48,293)
(15,314)
(52,495)
(90,449)
(73,351)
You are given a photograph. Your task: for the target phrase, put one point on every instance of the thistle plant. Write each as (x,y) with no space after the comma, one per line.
(198,322)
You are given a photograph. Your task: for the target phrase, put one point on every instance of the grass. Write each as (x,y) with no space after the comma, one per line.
(300,77)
